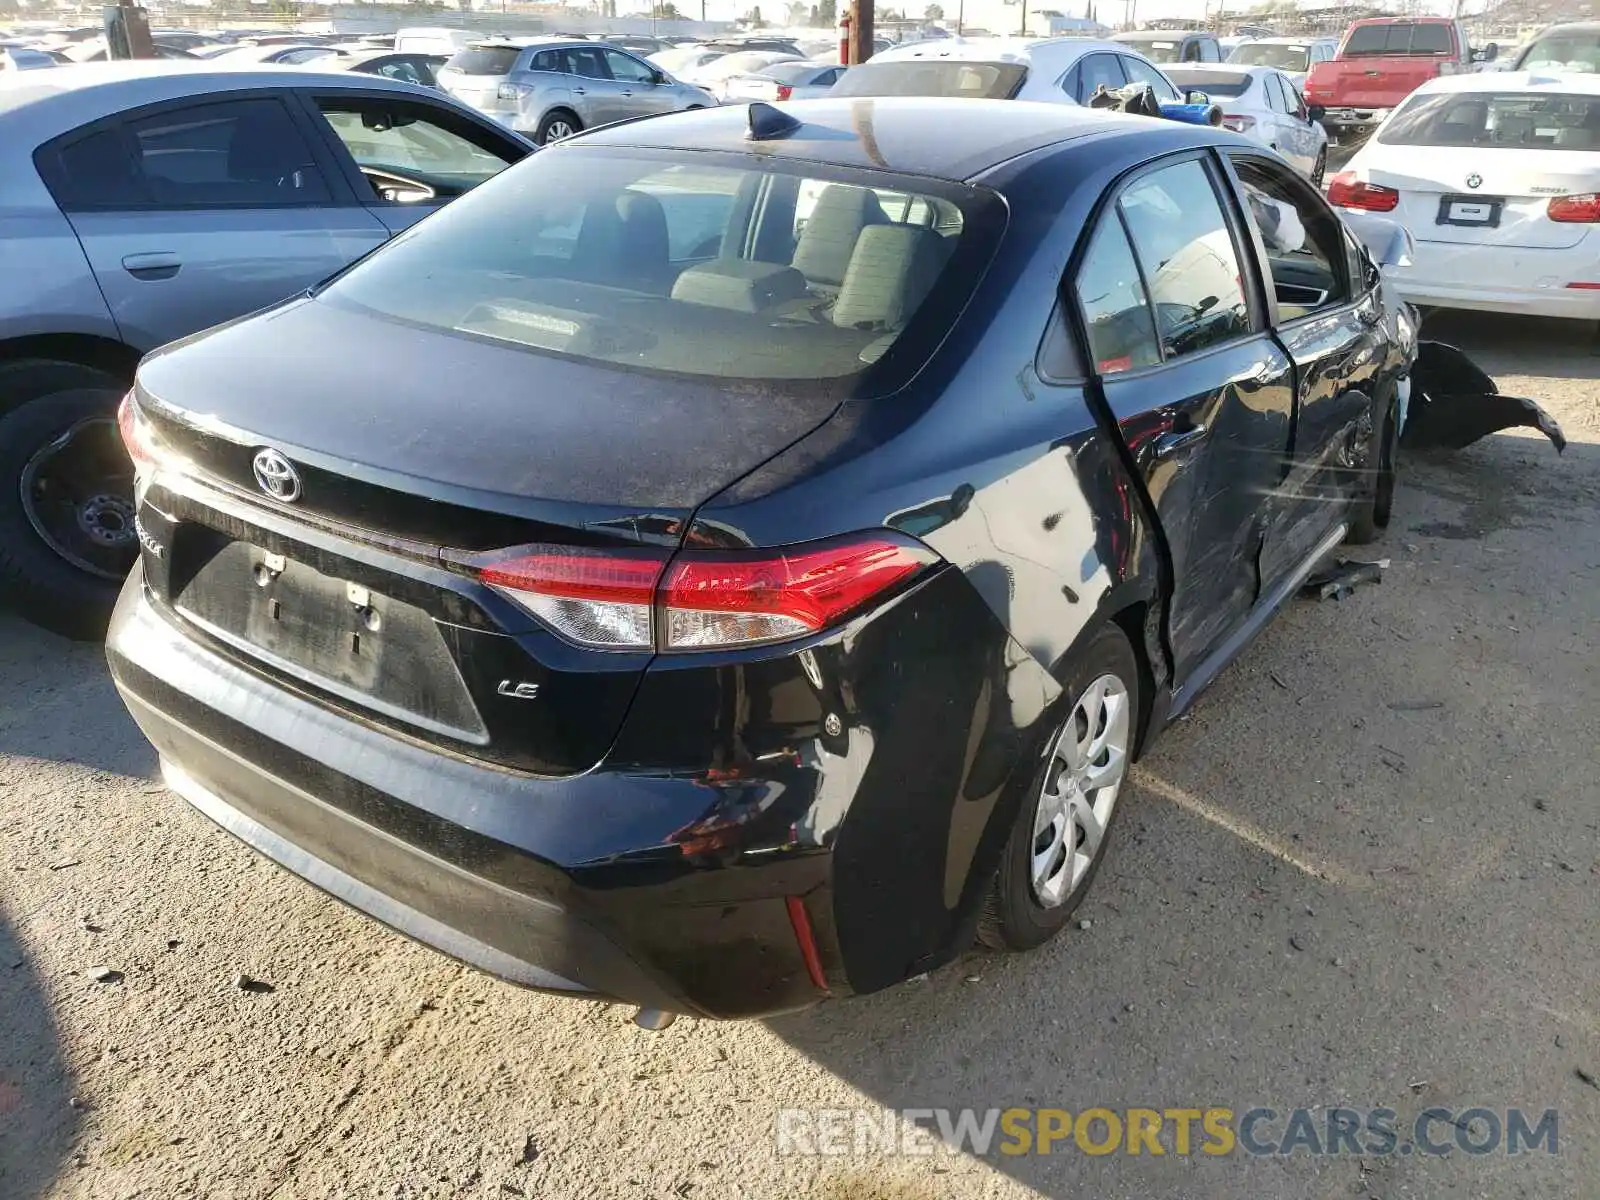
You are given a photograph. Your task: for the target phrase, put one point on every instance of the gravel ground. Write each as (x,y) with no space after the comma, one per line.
(1364,872)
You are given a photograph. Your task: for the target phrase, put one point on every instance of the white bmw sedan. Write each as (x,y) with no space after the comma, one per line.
(1497,176)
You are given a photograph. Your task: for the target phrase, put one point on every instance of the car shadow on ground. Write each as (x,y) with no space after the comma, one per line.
(60,705)
(37,1122)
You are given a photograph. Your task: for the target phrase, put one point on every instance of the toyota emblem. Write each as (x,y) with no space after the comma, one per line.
(1474,180)
(276,475)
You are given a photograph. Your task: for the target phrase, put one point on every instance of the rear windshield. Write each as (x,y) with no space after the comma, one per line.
(484,60)
(1398,39)
(1272,54)
(769,273)
(1564,52)
(795,72)
(1226,84)
(1510,120)
(971,80)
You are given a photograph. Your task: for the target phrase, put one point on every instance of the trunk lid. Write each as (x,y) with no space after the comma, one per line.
(1514,187)
(437,445)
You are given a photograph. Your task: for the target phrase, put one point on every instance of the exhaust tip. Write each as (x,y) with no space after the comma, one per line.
(653,1019)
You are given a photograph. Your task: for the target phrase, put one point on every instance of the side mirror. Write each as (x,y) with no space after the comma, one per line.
(1315,112)
(659,78)
(1196,98)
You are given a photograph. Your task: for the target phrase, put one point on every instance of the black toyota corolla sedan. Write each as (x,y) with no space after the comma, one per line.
(731,559)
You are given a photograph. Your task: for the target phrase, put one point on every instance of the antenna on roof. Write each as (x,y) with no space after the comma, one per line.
(767,122)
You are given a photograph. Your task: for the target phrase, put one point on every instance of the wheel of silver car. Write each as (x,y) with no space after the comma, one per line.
(1062,829)
(555,127)
(1073,809)
(67,536)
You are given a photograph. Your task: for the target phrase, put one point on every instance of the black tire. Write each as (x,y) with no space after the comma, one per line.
(1013,919)
(1319,168)
(541,135)
(36,580)
(1370,516)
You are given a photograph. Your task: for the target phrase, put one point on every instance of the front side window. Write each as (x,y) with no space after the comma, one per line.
(627,69)
(1097,70)
(1304,243)
(1140,71)
(411,141)
(639,260)
(1191,265)
(591,64)
(1116,312)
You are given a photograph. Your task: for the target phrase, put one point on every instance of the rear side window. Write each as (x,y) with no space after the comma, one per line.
(1190,263)
(1398,39)
(638,260)
(241,153)
(1496,120)
(484,60)
(1122,332)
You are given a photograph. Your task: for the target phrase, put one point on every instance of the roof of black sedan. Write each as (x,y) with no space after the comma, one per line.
(917,135)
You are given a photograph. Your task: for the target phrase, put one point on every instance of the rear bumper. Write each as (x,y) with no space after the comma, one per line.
(1340,118)
(1532,282)
(571,886)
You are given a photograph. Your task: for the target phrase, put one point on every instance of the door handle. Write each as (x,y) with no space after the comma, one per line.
(155,264)
(1169,444)
(579,92)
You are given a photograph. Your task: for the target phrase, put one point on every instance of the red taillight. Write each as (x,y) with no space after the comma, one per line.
(1346,191)
(635,600)
(784,91)
(737,599)
(136,436)
(1583,209)
(1238,122)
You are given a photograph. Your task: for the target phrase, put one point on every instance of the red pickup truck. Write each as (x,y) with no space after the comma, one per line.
(1380,62)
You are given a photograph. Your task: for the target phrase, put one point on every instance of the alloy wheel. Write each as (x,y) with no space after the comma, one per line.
(1088,763)
(558,129)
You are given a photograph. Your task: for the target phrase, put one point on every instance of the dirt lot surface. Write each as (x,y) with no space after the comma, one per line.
(1365,872)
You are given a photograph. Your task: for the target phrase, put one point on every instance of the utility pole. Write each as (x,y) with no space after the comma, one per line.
(861,14)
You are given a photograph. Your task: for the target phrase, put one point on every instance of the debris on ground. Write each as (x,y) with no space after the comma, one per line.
(258,986)
(105,974)
(1414,705)
(1343,577)
(1453,404)
(1592,1080)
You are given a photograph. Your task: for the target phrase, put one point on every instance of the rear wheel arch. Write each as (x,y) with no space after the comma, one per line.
(25,363)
